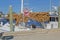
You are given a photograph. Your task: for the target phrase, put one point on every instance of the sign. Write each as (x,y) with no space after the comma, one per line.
(26,12)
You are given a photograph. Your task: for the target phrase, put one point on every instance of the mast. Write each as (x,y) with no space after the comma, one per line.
(21,6)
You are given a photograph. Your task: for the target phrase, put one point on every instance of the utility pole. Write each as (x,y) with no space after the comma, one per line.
(11,19)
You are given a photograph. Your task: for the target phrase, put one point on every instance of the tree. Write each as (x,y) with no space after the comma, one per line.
(59,16)
(1,13)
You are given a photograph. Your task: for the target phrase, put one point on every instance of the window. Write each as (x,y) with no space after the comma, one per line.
(52,18)
(56,18)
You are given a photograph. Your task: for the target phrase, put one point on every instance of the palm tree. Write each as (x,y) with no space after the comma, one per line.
(1,13)
(59,16)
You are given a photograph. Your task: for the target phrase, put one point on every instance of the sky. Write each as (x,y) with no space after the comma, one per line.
(34,5)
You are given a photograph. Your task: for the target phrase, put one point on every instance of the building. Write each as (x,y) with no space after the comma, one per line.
(53,23)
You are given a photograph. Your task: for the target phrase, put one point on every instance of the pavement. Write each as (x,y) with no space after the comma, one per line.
(38,34)
(48,35)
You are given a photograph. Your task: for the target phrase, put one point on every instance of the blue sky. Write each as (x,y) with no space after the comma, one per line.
(34,5)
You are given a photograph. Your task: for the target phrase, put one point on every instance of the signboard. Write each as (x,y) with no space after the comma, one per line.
(26,12)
